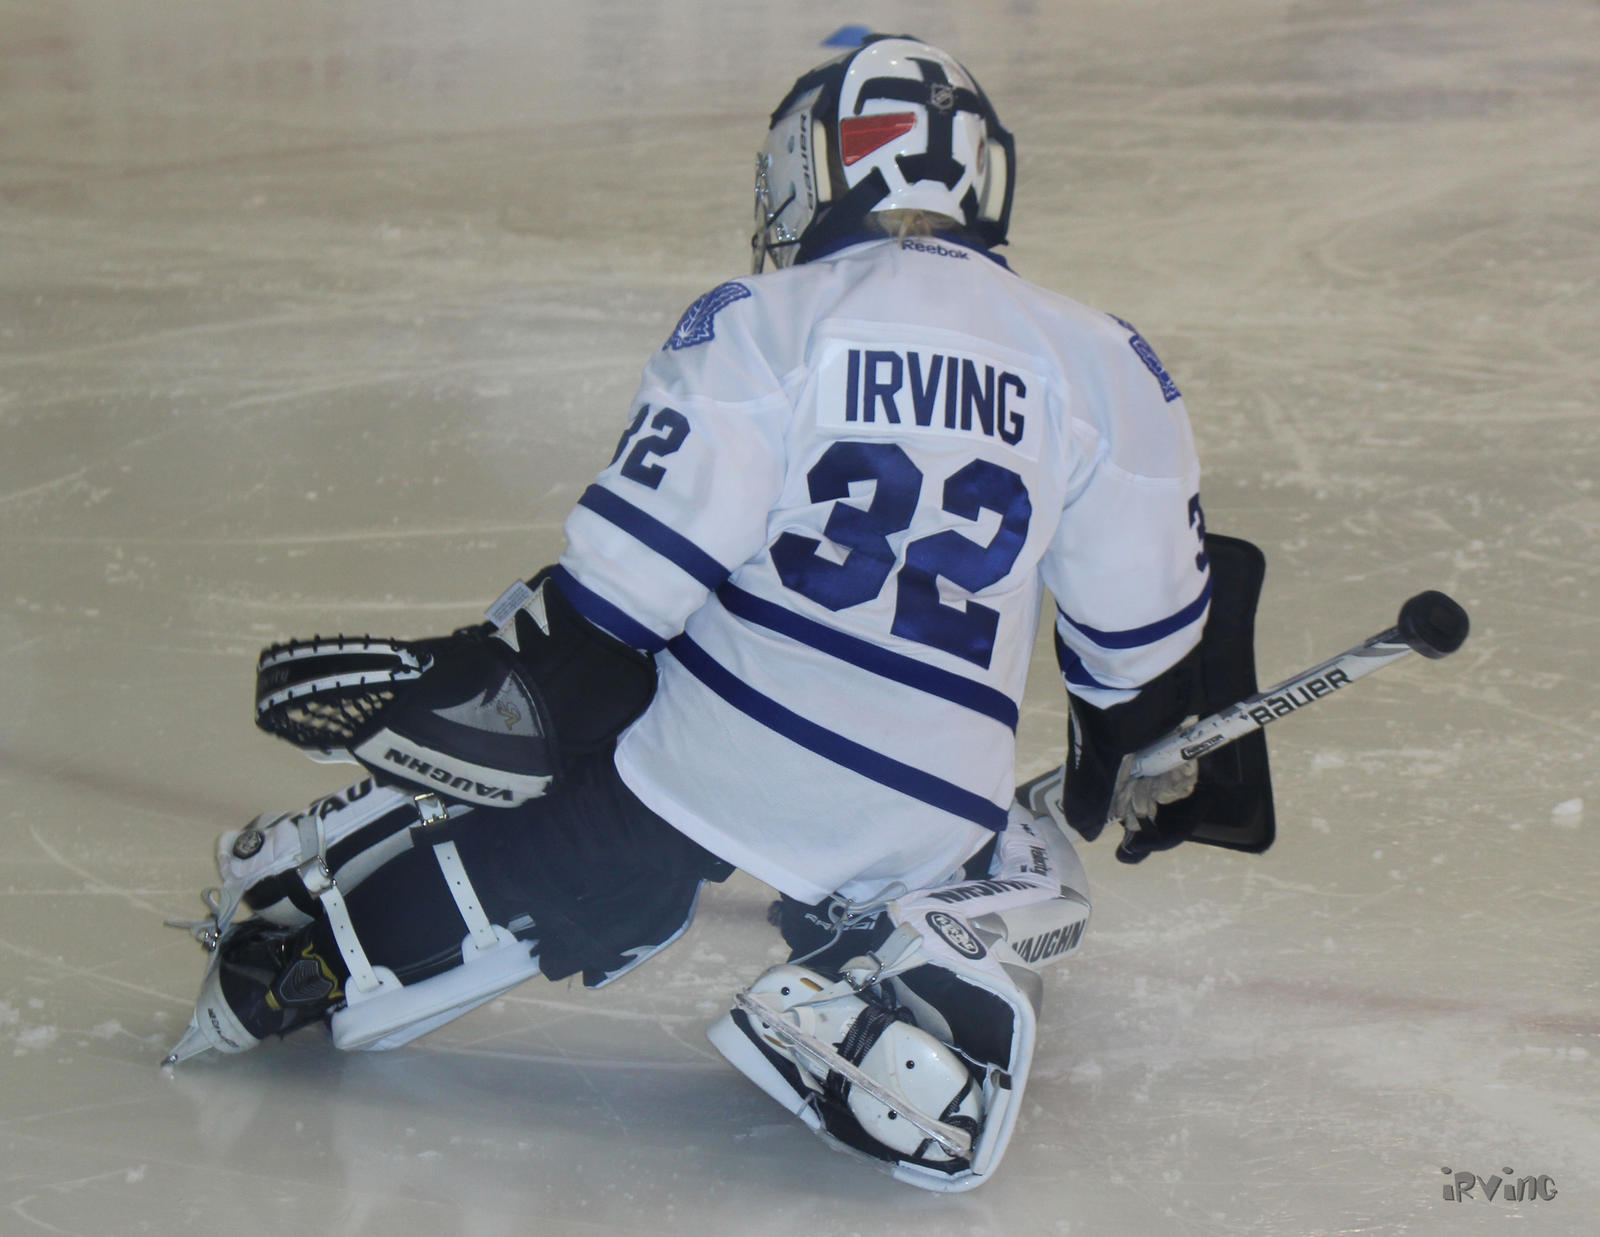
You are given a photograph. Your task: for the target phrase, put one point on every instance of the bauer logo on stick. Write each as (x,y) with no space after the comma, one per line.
(1282,704)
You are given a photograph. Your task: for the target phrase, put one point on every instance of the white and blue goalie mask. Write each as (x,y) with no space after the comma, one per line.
(892,125)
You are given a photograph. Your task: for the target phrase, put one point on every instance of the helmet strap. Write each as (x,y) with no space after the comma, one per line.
(843,217)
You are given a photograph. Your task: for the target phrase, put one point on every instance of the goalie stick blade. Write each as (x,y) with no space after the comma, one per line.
(1433,624)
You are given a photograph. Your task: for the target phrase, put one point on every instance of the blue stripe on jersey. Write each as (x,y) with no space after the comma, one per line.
(875,766)
(864,655)
(1135,637)
(604,615)
(667,542)
(1073,670)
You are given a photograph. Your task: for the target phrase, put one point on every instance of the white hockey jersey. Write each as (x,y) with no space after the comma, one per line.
(841,493)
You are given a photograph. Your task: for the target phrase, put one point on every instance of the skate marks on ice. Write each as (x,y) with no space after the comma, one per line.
(310,314)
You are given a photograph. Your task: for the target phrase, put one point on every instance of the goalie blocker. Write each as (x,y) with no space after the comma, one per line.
(488,715)
(1231,804)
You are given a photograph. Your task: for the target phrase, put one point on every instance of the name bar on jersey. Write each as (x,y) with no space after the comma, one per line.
(896,388)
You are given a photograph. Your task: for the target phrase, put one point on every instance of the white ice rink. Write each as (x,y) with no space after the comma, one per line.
(318,315)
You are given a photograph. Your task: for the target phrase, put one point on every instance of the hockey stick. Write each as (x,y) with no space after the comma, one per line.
(1430,623)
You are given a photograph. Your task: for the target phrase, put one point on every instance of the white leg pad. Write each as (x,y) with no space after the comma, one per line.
(963,962)
(898,1088)
(987,978)
(792,1029)
(1033,907)
(790,1055)
(393,1014)
(270,846)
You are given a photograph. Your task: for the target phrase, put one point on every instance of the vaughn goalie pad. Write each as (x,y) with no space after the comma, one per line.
(915,1054)
(1232,801)
(489,715)
(847,1055)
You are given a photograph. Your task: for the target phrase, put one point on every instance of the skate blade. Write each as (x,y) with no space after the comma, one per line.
(193,1043)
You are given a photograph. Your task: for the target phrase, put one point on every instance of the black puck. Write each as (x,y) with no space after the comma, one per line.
(1433,624)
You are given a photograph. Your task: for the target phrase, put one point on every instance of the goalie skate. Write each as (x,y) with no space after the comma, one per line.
(261,980)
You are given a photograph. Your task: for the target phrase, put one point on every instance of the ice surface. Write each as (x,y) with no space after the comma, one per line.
(318,314)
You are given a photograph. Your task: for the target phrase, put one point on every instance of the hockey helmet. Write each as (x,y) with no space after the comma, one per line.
(892,125)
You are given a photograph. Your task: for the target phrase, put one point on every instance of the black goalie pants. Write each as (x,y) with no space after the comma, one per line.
(587,872)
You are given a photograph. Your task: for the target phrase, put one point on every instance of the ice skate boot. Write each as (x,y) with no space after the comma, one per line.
(263,980)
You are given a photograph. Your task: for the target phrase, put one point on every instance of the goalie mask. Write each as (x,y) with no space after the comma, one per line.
(892,125)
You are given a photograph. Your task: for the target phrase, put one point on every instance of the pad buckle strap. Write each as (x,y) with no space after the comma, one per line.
(318,878)
(433,819)
(362,975)
(432,815)
(466,897)
(313,868)
(313,850)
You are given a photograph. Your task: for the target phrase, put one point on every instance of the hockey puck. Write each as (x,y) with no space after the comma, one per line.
(1433,624)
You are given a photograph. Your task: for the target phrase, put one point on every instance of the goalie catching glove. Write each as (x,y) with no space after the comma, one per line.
(489,715)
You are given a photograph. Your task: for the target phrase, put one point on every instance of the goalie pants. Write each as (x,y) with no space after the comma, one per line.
(588,872)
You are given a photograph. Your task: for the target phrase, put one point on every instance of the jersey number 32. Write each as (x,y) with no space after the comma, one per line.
(967,631)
